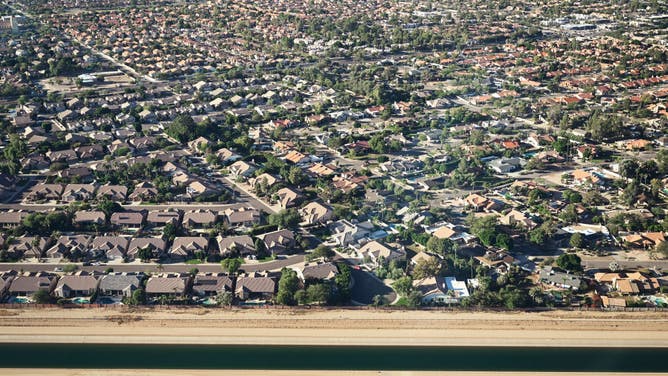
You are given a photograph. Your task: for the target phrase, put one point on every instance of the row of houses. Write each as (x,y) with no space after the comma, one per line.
(237,217)
(246,286)
(87,247)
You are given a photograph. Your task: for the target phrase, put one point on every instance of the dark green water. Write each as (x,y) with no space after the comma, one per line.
(333,358)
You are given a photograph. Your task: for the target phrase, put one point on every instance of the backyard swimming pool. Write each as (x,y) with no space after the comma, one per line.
(19,300)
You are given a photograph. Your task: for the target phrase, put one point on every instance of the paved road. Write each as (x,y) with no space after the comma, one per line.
(242,195)
(151,267)
(367,286)
(603,264)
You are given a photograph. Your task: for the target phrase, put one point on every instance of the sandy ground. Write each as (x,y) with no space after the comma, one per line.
(335,327)
(94,372)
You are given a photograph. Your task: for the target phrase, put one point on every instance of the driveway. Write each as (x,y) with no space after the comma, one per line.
(367,286)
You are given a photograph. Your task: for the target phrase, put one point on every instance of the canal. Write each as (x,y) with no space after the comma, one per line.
(529,359)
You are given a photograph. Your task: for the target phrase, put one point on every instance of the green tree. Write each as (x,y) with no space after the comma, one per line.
(403,286)
(343,281)
(570,262)
(109,207)
(538,236)
(182,128)
(296,176)
(287,286)
(169,232)
(318,293)
(440,246)
(569,214)
(302,297)
(322,251)
(231,265)
(414,299)
(426,268)
(70,268)
(138,297)
(504,241)
(577,240)
(145,254)
(289,218)
(225,298)
(42,297)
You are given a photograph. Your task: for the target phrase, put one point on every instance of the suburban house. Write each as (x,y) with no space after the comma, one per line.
(255,286)
(478,203)
(72,245)
(26,284)
(45,192)
(110,247)
(422,256)
(456,289)
(78,192)
(90,152)
(444,232)
(634,283)
(200,188)
(112,192)
(81,174)
(184,247)
(264,179)
(80,284)
(159,218)
(278,242)
(377,253)
(242,245)
(128,220)
(12,219)
(345,233)
(168,284)
(89,217)
(242,169)
(559,279)
(287,197)
(198,145)
(317,271)
(515,218)
(199,218)
(227,156)
(211,284)
(143,192)
(433,290)
(120,285)
(242,217)
(316,212)
(499,262)
(27,247)
(157,245)
(645,239)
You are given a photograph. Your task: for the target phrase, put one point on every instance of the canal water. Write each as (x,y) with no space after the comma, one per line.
(333,358)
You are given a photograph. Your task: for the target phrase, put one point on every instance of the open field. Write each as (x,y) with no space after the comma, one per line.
(335,327)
